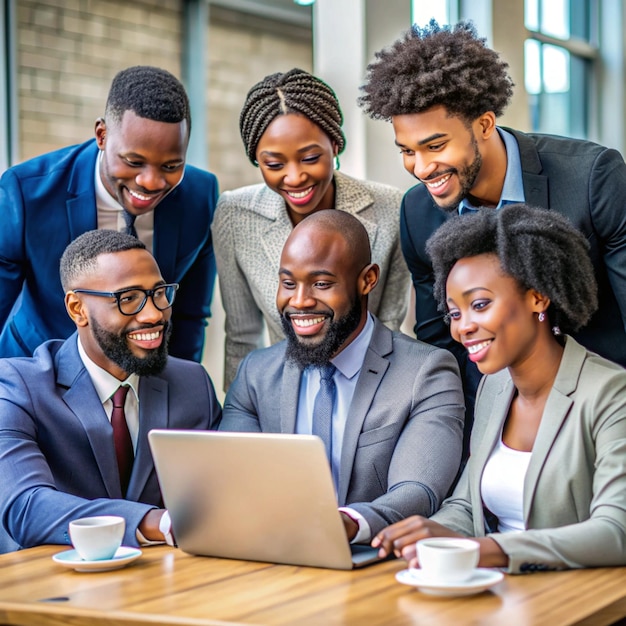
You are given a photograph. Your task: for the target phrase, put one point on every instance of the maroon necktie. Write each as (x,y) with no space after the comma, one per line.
(121,437)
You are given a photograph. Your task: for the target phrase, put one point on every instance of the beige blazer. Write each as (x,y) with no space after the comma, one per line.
(575,487)
(249,230)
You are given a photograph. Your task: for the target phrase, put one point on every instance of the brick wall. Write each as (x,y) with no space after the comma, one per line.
(69,50)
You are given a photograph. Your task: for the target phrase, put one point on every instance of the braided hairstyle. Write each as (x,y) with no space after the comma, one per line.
(151,93)
(295,91)
(437,65)
(540,249)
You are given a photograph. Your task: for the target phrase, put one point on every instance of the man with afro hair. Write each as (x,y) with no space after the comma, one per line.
(132,178)
(443,89)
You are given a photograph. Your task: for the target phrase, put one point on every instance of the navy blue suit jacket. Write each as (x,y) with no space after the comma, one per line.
(57,456)
(50,200)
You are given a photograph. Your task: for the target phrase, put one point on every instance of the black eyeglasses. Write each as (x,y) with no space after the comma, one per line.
(130,301)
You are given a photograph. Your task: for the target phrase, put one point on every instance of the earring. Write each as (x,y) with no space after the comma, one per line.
(542,316)
(556,331)
(336,162)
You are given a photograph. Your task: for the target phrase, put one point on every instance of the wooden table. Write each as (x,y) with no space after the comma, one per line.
(167,586)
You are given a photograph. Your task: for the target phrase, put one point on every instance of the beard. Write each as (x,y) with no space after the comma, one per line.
(115,348)
(467,179)
(339,330)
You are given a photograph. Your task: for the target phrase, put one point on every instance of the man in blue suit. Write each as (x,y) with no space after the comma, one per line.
(59,451)
(131,178)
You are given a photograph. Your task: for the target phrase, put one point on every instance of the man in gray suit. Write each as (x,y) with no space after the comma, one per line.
(65,451)
(395,415)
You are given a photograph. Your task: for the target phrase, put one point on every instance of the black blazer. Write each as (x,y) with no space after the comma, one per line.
(585,182)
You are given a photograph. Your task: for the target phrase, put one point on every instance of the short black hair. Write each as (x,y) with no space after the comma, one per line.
(151,93)
(80,256)
(295,91)
(437,65)
(539,248)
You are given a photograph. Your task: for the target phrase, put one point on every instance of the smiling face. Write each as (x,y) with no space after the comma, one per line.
(444,153)
(295,157)
(142,160)
(121,344)
(493,317)
(322,294)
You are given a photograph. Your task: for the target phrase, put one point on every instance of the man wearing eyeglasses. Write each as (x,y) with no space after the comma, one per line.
(74,417)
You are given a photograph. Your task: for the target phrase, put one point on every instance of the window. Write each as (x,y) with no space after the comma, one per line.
(559,58)
(444,11)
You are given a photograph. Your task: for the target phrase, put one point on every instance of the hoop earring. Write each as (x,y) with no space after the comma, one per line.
(336,163)
(542,316)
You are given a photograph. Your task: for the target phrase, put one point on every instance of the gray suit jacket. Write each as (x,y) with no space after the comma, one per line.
(57,457)
(402,442)
(575,487)
(250,228)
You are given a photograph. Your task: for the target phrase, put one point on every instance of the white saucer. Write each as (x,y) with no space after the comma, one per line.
(122,557)
(480,580)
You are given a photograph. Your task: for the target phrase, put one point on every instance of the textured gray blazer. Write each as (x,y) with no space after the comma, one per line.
(575,487)
(402,442)
(250,227)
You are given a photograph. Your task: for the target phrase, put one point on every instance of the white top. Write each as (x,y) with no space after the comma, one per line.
(502,486)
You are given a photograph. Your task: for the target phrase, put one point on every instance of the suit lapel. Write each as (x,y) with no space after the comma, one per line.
(372,372)
(167,224)
(81,204)
(81,398)
(353,198)
(535,184)
(290,391)
(153,413)
(555,413)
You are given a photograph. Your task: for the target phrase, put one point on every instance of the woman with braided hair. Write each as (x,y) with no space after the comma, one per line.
(545,484)
(290,125)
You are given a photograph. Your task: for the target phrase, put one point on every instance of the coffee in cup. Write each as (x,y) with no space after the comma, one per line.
(447,559)
(97,538)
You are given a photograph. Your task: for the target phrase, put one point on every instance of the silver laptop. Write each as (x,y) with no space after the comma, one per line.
(259,497)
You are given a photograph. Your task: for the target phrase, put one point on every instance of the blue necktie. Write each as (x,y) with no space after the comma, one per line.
(323,408)
(129,218)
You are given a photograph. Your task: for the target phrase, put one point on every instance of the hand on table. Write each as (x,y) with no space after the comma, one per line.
(400,537)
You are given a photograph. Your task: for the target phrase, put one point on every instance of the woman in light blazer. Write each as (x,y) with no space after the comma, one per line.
(545,484)
(291,129)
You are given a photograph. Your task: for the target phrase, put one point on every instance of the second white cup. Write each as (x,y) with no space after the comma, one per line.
(447,559)
(97,538)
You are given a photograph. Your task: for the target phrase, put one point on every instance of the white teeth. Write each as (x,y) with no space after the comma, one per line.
(439,182)
(307,322)
(478,346)
(134,194)
(145,336)
(299,194)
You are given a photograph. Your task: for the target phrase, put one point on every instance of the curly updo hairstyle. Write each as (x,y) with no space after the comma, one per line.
(295,91)
(437,65)
(540,249)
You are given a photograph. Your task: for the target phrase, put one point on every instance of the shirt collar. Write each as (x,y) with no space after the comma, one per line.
(105,384)
(350,360)
(513,188)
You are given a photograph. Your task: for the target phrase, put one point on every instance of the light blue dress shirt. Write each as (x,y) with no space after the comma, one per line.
(513,188)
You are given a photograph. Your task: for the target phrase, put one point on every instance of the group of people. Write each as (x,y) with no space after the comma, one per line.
(516,248)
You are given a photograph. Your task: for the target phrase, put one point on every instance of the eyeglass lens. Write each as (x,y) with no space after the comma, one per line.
(133,301)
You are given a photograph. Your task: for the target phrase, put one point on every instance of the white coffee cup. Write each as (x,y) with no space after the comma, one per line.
(97,538)
(447,559)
